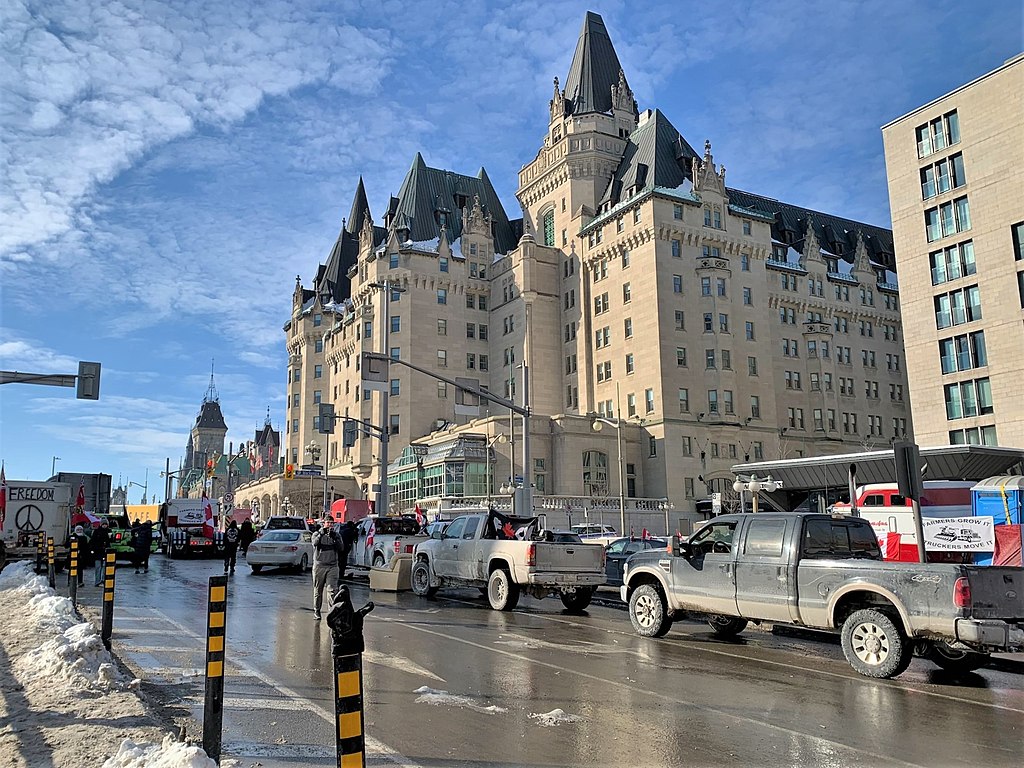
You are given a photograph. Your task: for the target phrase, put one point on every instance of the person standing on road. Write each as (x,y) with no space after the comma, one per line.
(100,544)
(246,535)
(231,539)
(142,539)
(327,555)
(348,540)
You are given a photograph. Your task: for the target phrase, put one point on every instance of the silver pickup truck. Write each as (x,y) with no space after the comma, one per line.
(504,556)
(825,572)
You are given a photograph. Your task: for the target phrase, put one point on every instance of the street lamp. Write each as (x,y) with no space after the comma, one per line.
(498,438)
(143,486)
(617,423)
(754,486)
(387,288)
(313,449)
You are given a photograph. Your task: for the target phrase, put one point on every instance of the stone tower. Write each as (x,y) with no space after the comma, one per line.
(209,431)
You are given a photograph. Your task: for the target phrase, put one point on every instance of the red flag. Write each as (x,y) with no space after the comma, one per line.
(3,496)
(207,517)
(370,533)
(80,501)
(644,535)
(420,517)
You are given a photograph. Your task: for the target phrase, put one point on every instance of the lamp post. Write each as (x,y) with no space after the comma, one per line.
(143,486)
(313,449)
(617,423)
(53,465)
(498,438)
(387,288)
(754,486)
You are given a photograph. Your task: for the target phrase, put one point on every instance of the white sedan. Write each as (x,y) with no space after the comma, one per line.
(282,548)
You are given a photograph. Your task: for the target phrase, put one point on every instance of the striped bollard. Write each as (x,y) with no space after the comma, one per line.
(109,570)
(347,629)
(213,708)
(73,572)
(40,552)
(51,566)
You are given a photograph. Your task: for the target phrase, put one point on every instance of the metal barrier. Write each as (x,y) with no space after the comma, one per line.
(213,708)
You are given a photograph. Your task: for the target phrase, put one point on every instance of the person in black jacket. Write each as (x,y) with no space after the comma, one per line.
(246,535)
(142,539)
(231,539)
(100,543)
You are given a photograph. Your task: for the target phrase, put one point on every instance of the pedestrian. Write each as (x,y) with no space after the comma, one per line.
(327,556)
(349,534)
(231,538)
(100,544)
(83,553)
(142,539)
(246,535)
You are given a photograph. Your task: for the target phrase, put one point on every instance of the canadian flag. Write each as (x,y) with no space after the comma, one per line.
(208,529)
(370,533)
(420,517)
(80,501)
(644,535)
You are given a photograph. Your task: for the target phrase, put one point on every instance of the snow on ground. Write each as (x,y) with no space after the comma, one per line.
(554,717)
(63,701)
(443,698)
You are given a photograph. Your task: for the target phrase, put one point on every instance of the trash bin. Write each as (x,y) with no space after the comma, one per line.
(395,577)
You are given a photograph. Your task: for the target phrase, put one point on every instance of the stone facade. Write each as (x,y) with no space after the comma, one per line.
(955,168)
(711,325)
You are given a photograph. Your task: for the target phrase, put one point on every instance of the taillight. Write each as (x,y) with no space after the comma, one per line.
(398,546)
(531,554)
(292,549)
(962,593)
(408,549)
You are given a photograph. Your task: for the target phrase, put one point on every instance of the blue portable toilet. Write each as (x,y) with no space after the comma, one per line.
(1002,499)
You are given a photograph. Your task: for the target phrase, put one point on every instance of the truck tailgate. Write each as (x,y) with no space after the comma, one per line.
(997,592)
(569,558)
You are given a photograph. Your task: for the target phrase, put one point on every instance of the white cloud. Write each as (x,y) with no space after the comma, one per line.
(22,353)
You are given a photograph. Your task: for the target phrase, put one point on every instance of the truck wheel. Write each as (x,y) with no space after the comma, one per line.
(502,592)
(953,660)
(727,626)
(874,645)
(648,613)
(378,560)
(578,599)
(256,568)
(421,579)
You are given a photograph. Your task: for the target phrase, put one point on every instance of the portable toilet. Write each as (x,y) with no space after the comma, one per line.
(1002,499)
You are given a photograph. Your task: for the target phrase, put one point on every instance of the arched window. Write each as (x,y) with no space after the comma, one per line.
(549,228)
(595,473)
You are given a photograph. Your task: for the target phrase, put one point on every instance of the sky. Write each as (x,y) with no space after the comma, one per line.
(167,169)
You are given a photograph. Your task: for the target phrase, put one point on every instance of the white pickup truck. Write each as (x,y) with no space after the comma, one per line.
(504,556)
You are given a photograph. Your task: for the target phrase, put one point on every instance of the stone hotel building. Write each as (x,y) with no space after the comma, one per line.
(710,324)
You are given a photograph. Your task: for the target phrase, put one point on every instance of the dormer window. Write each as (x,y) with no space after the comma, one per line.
(838,248)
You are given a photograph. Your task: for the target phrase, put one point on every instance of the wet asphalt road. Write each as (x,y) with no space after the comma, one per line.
(686,699)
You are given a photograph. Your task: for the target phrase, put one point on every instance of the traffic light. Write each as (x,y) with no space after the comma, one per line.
(209,468)
(289,471)
(349,433)
(88,381)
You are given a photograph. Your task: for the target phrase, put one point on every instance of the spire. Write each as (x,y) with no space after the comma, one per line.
(594,70)
(267,422)
(211,395)
(360,210)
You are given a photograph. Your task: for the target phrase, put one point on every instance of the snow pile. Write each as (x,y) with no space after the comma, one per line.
(170,754)
(554,717)
(441,698)
(75,658)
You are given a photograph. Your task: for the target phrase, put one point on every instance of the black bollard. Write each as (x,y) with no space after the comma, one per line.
(347,631)
(51,565)
(213,708)
(73,572)
(40,552)
(110,569)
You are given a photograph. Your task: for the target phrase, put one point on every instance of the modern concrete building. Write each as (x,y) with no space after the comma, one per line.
(956,170)
(705,325)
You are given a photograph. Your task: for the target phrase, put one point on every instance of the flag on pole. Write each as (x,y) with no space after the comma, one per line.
(252,459)
(420,517)
(3,495)
(208,529)
(80,501)
(370,533)
(644,535)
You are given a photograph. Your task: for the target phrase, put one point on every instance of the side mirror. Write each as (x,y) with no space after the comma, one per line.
(680,547)
(437,535)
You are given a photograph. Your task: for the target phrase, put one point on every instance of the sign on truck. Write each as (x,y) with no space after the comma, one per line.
(34,507)
(190,526)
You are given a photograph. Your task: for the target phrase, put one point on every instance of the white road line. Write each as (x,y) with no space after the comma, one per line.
(373,745)
(647,692)
(400,663)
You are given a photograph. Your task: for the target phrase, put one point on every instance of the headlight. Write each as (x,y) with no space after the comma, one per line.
(625,569)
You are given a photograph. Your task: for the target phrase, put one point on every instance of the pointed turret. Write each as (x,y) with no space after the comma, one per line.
(594,70)
(360,210)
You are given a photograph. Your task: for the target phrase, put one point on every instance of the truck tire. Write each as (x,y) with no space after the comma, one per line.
(421,579)
(953,660)
(727,626)
(256,568)
(874,645)
(648,613)
(502,592)
(576,600)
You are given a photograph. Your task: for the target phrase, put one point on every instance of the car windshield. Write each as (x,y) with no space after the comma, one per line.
(281,536)
(296,523)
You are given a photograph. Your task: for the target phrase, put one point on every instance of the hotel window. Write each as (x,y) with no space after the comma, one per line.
(620,225)
(947,219)
(684,400)
(744,262)
(746,227)
(710,357)
(962,353)
(957,307)
(631,404)
(705,286)
(636,216)
(442,389)
(649,400)
(629,363)
(677,283)
(750,331)
(393,261)
(755,407)
(626,293)
(443,263)
(723,323)
(549,228)
(677,248)
(625,259)
(720,286)
(713,401)
(680,320)
(396,353)
(627,328)
(1017,235)
(318,320)
(968,398)
(442,358)
(752,366)
(953,262)
(707,216)
(681,357)
(442,295)
(748,297)
(938,134)
(709,322)
(945,175)
(727,401)
(318,371)
(396,387)
(718,218)
(677,211)
(973,436)
(726,360)
(601,303)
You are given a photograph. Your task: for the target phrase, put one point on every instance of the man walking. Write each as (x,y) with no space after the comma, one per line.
(246,535)
(100,544)
(327,557)
(231,538)
(142,539)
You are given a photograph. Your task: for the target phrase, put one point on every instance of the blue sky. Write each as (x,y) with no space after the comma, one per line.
(167,169)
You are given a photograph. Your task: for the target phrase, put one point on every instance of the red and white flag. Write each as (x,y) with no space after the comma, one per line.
(3,496)
(80,501)
(208,528)
(421,519)
(644,535)
(252,459)
(370,533)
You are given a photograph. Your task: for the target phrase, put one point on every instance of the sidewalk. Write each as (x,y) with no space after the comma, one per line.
(64,701)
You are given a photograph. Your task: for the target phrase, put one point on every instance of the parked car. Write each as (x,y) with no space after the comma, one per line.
(283,523)
(620,550)
(285,548)
(594,533)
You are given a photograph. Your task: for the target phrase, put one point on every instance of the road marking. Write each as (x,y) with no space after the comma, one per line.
(401,663)
(373,745)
